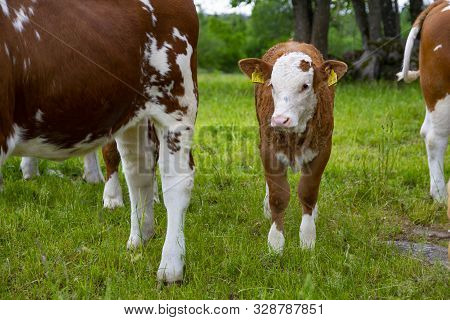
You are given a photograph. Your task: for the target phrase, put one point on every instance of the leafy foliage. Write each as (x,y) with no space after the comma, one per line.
(222,41)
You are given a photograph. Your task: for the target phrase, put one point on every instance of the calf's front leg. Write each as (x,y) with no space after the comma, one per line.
(276,199)
(308,192)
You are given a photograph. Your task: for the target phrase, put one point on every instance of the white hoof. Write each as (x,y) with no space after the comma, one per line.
(137,240)
(134,242)
(439,194)
(307,232)
(29,167)
(92,172)
(275,240)
(93,177)
(171,269)
(112,194)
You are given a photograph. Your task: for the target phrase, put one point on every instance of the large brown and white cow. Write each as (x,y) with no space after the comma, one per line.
(76,74)
(434,61)
(294,97)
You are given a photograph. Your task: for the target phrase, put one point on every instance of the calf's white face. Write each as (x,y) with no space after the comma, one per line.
(292,91)
(291,79)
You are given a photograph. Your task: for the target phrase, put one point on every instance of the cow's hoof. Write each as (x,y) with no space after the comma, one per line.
(136,241)
(440,196)
(275,240)
(112,195)
(112,202)
(93,177)
(307,232)
(29,168)
(29,175)
(171,270)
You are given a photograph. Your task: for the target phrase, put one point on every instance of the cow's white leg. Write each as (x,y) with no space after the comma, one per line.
(29,167)
(112,194)
(308,230)
(92,170)
(177,175)
(266,205)
(436,141)
(138,171)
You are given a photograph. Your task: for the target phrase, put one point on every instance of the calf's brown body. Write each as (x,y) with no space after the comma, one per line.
(308,151)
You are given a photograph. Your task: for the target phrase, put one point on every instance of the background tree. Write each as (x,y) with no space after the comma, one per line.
(311,18)
(364,33)
(415,8)
(379,24)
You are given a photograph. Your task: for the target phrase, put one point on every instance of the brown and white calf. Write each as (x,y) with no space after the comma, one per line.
(74,75)
(434,61)
(294,105)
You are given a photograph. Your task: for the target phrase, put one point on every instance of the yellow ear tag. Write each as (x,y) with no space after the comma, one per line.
(332,79)
(257,77)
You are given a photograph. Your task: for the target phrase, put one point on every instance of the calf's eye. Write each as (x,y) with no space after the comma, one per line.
(305,87)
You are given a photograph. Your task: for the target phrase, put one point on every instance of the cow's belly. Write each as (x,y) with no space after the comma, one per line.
(40,148)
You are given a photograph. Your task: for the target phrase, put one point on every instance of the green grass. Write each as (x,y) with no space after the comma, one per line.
(56,241)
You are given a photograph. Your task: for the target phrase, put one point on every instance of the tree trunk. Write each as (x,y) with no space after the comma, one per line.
(319,37)
(391,18)
(303,20)
(375,18)
(359,7)
(415,8)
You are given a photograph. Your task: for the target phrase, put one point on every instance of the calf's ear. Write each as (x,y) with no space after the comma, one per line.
(338,67)
(256,69)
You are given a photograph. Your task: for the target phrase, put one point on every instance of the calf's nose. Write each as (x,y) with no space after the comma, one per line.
(281,121)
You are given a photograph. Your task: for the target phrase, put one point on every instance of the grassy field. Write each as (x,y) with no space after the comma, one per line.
(57,242)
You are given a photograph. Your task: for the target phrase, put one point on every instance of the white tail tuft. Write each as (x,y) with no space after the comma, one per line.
(405,74)
(410,76)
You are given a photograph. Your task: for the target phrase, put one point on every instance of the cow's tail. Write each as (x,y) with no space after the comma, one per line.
(405,74)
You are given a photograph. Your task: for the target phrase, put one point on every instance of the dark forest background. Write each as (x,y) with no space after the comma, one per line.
(367,34)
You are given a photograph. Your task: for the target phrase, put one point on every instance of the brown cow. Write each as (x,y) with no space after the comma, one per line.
(76,74)
(434,60)
(294,103)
